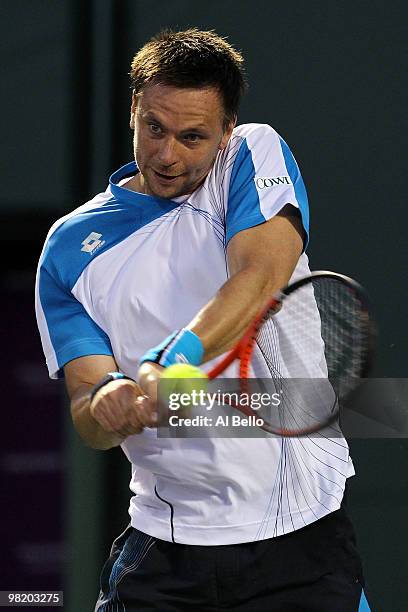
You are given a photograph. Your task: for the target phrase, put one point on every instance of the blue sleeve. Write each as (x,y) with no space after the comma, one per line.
(67,331)
(264,178)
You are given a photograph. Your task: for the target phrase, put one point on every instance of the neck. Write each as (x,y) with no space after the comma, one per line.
(135,184)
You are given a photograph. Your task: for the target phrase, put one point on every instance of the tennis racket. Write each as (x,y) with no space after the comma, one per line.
(316,339)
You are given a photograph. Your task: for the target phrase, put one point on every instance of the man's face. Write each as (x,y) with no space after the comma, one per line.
(178,133)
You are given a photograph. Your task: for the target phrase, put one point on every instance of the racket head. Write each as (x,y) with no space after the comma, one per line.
(324,316)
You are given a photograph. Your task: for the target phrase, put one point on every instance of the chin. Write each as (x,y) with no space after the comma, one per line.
(169,192)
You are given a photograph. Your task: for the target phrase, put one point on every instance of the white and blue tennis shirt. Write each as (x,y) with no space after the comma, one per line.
(120,273)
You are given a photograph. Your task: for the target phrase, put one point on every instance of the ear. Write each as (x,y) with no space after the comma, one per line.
(133,111)
(227,134)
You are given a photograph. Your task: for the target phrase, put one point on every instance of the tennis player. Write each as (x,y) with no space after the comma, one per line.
(170,264)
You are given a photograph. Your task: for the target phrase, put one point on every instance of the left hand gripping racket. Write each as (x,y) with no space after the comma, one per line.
(325,325)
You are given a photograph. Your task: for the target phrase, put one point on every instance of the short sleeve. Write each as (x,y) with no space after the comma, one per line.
(67,331)
(264,178)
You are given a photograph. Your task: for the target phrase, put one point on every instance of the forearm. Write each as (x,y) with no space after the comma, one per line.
(87,427)
(221,323)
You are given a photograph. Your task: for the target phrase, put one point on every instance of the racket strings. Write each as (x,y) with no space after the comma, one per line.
(326,324)
(344,328)
(296,409)
(319,336)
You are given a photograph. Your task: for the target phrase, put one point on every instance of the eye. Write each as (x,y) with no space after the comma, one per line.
(155,128)
(193,137)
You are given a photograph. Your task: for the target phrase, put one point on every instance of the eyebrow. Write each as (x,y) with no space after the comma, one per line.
(199,126)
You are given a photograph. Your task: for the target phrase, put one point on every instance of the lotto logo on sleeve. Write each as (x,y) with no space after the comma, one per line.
(265,182)
(92,242)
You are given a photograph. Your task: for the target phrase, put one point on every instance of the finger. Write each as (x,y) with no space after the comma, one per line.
(114,415)
(130,430)
(146,411)
(132,426)
(98,413)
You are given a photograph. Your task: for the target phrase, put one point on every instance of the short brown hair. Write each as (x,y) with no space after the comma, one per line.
(192,59)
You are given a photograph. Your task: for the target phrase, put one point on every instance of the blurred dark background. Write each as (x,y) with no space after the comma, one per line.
(330,77)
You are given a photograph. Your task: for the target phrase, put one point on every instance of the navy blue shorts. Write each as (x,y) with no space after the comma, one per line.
(316,568)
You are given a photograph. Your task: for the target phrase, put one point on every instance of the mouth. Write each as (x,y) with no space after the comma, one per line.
(166,178)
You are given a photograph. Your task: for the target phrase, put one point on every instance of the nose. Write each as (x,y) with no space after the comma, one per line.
(167,154)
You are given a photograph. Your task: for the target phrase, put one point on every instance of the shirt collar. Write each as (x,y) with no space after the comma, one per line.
(127,195)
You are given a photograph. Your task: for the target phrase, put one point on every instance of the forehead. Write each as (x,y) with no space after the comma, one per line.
(180,106)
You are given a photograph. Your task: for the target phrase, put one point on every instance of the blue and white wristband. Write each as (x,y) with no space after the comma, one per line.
(182,346)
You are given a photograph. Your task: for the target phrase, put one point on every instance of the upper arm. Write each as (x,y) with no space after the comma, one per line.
(87,371)
(272,248)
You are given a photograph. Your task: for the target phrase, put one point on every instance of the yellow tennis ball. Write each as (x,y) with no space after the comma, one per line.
(183,378)
(183,370)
